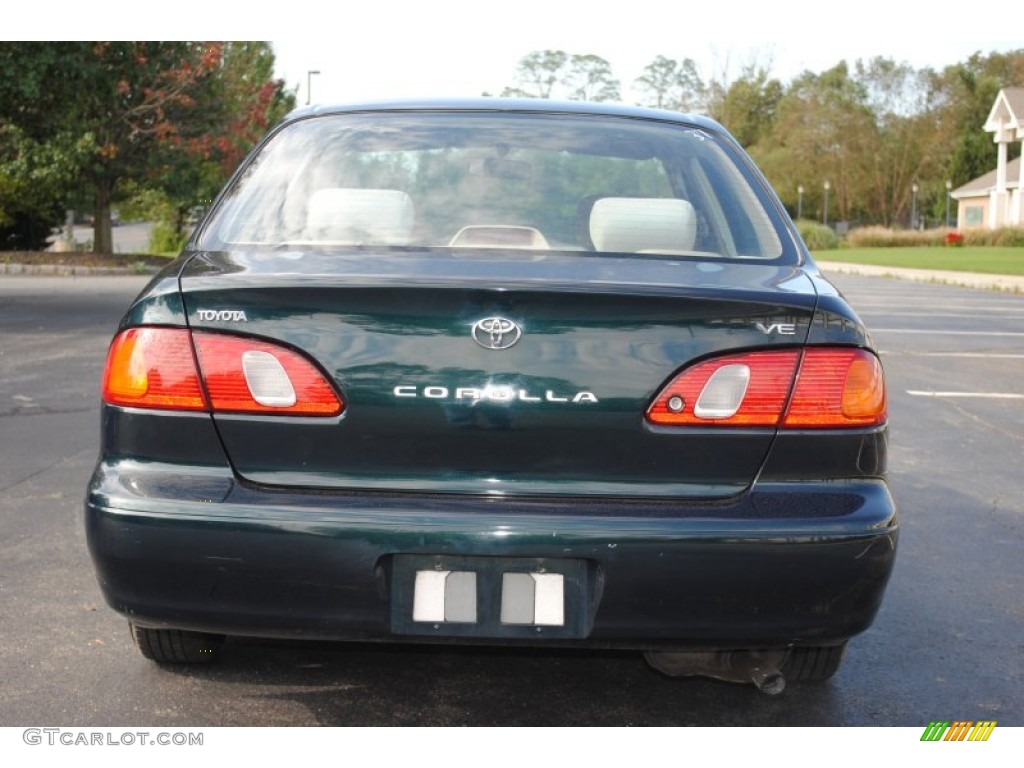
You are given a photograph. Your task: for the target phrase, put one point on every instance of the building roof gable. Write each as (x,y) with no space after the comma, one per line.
(1007,114)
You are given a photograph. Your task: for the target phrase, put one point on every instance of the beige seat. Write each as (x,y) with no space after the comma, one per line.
(359,216)
(643,225)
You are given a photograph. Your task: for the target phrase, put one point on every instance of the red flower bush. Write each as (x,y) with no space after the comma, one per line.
(954,239)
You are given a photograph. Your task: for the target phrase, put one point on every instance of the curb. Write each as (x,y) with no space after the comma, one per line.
(72,270)
(1006,283)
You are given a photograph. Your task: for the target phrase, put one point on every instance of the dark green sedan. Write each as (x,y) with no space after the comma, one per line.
(497,372)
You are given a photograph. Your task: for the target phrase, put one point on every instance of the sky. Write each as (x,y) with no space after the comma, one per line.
(384,49)
(429,48)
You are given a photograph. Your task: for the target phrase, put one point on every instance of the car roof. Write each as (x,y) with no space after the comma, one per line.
(495,104)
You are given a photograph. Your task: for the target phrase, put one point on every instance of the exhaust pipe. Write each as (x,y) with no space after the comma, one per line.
(762,668)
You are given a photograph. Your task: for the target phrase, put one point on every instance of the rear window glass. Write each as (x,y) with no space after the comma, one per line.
(485,180)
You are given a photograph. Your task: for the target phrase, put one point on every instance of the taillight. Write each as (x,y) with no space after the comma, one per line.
(156,368)
(153,368)
(838,388)
(819,388)
(246,376)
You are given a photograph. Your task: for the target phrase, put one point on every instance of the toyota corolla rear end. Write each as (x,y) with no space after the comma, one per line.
(496,373)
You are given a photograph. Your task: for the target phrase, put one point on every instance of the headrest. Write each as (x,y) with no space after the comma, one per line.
(643,224)
(360,216)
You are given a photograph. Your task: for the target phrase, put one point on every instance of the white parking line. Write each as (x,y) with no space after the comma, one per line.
(993,355)
(936,314)
(946,333)
(994,395)
(977,306)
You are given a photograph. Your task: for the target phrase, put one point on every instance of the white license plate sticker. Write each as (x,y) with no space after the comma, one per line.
(445,596)
(536,599)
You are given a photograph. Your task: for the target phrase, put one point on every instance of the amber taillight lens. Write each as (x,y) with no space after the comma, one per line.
(157,368)
(816,388)
(838,388)
(153,368)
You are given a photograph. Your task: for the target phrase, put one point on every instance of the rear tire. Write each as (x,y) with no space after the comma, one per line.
(813,665)
(176,646)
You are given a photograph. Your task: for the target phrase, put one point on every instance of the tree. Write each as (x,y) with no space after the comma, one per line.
(912,142)
(590,78)
(556,74)
(537,73)
(822,131)
(174,116)
(968,90)
(232,111)
(747,106)
(34,178)
(671,84)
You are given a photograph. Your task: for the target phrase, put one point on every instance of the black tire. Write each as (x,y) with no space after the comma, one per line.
(176,646)
(813,665)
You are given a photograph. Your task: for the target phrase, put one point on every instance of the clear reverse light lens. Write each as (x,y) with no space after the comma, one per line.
(724,392)
(267,381)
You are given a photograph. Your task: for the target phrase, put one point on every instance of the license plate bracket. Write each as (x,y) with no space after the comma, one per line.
(490,597)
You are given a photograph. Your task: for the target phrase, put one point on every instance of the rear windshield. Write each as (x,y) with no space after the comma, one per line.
(487,180)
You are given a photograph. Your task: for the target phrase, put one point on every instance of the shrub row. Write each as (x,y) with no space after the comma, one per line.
(817,237)
(881,237)
(1007,237)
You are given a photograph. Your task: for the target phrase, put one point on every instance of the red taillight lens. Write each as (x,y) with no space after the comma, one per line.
(156,368)
(246,376)
(153,368)
(820,388)
(698,396)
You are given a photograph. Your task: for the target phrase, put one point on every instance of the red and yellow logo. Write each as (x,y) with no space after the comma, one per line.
(959,730)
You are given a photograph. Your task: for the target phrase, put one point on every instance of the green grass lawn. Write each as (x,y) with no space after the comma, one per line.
(990,260)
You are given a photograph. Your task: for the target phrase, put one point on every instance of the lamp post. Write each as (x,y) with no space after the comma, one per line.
(799,201)
(913,205)
(824,213)
(309,82)
(949,193)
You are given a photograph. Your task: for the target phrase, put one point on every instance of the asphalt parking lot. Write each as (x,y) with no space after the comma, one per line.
(947,644)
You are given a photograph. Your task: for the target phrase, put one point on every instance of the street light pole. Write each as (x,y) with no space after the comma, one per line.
(799,202)
(824,212)
(309,82)
(913,205)
(949,193)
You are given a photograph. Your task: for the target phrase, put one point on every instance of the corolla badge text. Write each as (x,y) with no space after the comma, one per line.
(492,394)
(496,333)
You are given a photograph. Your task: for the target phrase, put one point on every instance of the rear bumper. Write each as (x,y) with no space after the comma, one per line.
(781,565)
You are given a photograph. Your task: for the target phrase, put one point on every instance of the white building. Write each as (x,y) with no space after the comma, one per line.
(995,199)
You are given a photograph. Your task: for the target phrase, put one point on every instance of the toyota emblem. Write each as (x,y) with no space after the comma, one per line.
(496,333)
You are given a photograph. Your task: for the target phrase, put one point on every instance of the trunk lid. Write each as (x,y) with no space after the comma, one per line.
(430,408)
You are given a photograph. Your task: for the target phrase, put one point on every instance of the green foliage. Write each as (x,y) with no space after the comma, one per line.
(176,117)
(817,237)
(873,131)
(34,176)
(747,107)
(165,239)
(970,88)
